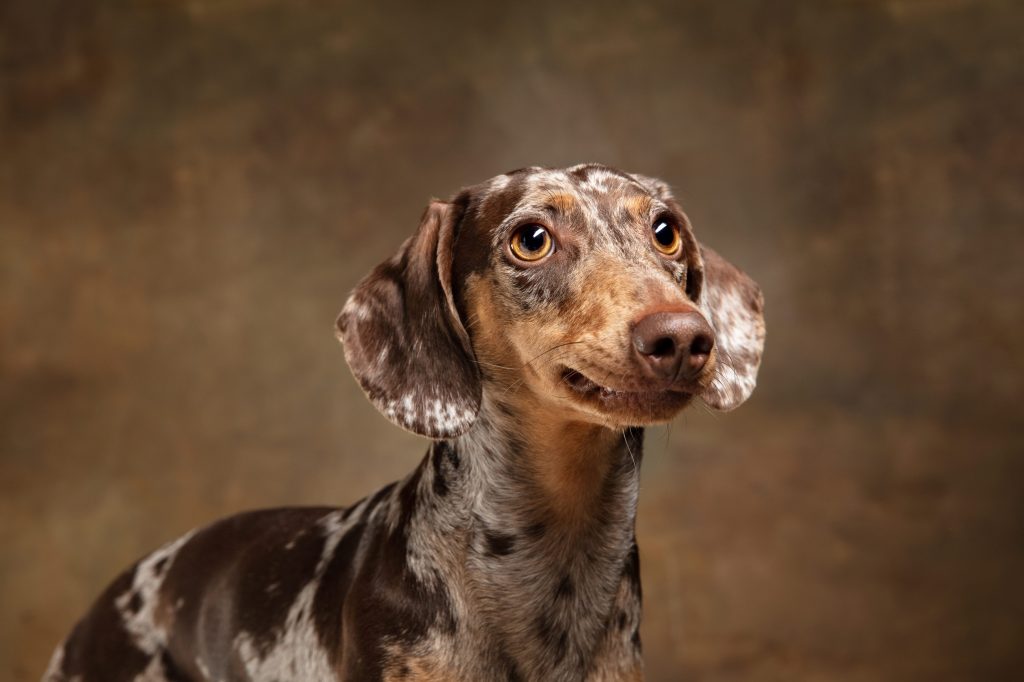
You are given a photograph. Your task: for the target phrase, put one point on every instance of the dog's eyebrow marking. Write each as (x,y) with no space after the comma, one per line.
(561,202)
(637,205)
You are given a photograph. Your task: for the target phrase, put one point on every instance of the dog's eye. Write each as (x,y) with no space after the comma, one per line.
(531,243)
(666,237)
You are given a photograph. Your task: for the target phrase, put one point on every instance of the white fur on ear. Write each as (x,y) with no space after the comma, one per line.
(734,305)
(404,341)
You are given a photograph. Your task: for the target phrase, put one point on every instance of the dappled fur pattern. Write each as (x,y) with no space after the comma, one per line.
(509,553)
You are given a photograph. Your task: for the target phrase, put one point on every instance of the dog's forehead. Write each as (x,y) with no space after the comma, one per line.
(602,206)
(591,188)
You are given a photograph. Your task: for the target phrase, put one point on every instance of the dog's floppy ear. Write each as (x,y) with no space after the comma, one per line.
(734,306)
(403,337)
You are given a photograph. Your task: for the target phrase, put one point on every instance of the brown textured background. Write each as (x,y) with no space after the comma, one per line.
(189,189)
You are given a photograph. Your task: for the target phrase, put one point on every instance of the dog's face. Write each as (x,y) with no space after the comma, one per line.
(581,292)
(553,272)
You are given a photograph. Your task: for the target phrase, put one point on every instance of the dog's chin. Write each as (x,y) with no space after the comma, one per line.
(624,407)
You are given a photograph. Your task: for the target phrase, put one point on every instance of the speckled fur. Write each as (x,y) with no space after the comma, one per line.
(509,553)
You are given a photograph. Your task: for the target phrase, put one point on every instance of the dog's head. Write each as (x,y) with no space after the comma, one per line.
(580,290)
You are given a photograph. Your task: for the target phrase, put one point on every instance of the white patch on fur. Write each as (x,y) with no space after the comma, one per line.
(434,414)
(146,632)
(154,672)
(203,669)
(599,180)
(298,653)
(52,673)
(356,309)
(498,183)
(739,336)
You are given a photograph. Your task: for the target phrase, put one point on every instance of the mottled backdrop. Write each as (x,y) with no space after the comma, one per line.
(188,189)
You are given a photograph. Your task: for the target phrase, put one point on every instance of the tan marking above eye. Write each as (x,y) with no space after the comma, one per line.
(563,202)
(638,205)
(531,243)
(666,238)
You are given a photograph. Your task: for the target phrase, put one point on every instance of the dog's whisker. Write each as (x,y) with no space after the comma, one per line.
(547,361)
(553,348)
(484,363)
(625,441)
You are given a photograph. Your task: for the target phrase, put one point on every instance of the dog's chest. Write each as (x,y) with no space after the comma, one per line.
(551,645)
(533,607)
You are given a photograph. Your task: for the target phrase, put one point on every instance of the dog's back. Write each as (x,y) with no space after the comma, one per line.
(247,585)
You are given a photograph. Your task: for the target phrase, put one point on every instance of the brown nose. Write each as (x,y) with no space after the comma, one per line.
(673,345)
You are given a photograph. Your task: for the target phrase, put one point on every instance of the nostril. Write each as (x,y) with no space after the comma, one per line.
(664,347)
(701,345)
(700,350)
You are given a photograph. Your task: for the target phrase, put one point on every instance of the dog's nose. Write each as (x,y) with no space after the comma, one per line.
(673,345)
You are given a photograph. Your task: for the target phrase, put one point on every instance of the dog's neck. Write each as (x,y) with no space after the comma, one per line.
(537,518)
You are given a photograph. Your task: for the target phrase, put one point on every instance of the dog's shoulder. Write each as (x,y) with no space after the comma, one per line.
(236,584)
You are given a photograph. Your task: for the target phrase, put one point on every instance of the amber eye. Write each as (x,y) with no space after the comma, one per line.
(666,237)
(531,243)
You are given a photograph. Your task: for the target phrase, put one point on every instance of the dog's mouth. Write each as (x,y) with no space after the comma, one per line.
(654,404)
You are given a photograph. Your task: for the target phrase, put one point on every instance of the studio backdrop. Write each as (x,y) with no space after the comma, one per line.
(189,189)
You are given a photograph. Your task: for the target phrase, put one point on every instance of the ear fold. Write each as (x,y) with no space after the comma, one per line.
(734,306)
(404,340)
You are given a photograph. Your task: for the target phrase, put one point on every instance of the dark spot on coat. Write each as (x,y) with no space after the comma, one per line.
(565,587)
(506,409)
(408,501)
(452,455)
(581,173)
(636,640)
(172,672)
(159,566)
(445,461)
(506,663)
(622,620)
(512,674)
(440,485)
(135,602)
(631,570)
(499,544)
(536,530)
(554,638)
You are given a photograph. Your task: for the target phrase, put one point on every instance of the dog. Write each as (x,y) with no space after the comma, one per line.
(531,327)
